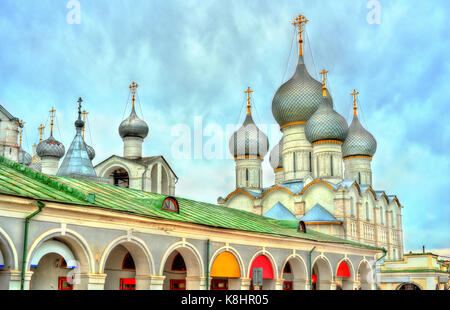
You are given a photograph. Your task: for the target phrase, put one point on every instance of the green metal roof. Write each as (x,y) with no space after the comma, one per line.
(19,180)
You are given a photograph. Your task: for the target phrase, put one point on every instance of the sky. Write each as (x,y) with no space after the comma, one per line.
(194,59)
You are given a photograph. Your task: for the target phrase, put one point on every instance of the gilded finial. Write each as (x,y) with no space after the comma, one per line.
(324,87)
(355,108)
(133,88)
(52,116)
(299,21)
(84,113)
(248,92)
(41,129)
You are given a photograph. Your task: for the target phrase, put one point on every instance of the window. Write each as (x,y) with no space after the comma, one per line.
(295,161)
(246,176)
(359,177)
(170,204)
(310,162)
(352,207)
(128,262)
(219,284)
(331,165)
(367,212)
(353,229)
(127,284)
(382,215)
(178,263)
(288,286)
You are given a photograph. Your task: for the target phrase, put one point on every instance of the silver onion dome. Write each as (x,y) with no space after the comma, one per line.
(276,158)
(249,140)
(90,151)
(326,124)
(297,99)
(359,141)
(24,157)
(133,126)
(50,148)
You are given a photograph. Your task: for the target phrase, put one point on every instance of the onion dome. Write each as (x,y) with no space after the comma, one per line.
(76,163)
(359,141)
(50,148)
(91,152)
(326,124)
(249,140)
(276,158)
(133,126)
(297,99)
(24,157)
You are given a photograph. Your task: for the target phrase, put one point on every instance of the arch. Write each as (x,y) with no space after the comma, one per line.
(7,248)
(186,249)
(409,286)
(271,259)
(78,246)
(350,267)
(57,247)
(365,274)
(144,265)
(316,182)
(109,170)
(299,271)
(323,271)
(239,191)
(104,173)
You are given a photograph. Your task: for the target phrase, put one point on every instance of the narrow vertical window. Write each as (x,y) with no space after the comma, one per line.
(310,162)
(246,175)
(295,162)
(359,177)
(331,163)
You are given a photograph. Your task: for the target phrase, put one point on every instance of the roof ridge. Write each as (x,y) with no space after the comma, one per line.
(44,179)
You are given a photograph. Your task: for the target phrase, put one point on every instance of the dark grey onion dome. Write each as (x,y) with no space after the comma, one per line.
(297,99)
(359,141)
(24,157)
(50,148)
(133,126)
(326,124)
(249,140)
(91,152)
(276,158)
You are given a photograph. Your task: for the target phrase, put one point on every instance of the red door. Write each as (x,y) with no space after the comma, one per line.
(64,285)
(219,284)
(127,284)
(178,285)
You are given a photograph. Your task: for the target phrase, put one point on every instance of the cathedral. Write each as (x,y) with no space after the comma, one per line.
(66,224)
(322,166)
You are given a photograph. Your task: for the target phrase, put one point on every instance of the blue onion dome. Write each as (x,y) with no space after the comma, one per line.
(90,151)
(297,99)
(276,158)
(249,140)
(359,141)
(24,157)
(133,126)
(326,124)
(50,148)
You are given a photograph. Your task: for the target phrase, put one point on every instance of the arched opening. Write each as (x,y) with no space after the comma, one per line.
(408,287)
(262,262)
(54,266)
(127,267)
(225,272)
(365,277)
(321,274)
(294,274)
(164,182)
(118,176)
(7,261)
(182,270)
(344,276)
(154,179)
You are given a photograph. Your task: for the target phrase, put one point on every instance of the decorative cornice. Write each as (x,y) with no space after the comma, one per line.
(327,142)
(292,124)
(358,156)
(248,157)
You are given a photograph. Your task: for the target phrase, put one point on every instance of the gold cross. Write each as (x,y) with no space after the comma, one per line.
(84,113)
(324,88)
(248,92)
(133,88)
(41,129)
(299,21)
(52,115)
(355,108)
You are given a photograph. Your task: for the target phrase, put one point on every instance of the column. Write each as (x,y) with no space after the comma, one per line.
(278,284)
(10,279)
(195,283)
(245,284)
(92,281)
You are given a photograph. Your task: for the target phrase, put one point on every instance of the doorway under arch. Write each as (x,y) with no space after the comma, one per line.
(294,274)
(322,274)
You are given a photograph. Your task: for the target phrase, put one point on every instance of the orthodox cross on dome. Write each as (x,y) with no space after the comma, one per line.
(248,92)
(41,129)
(52,116)
(324,73)
(299,21)
(84,113)
(355,108)
(133,88)
(21,123)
